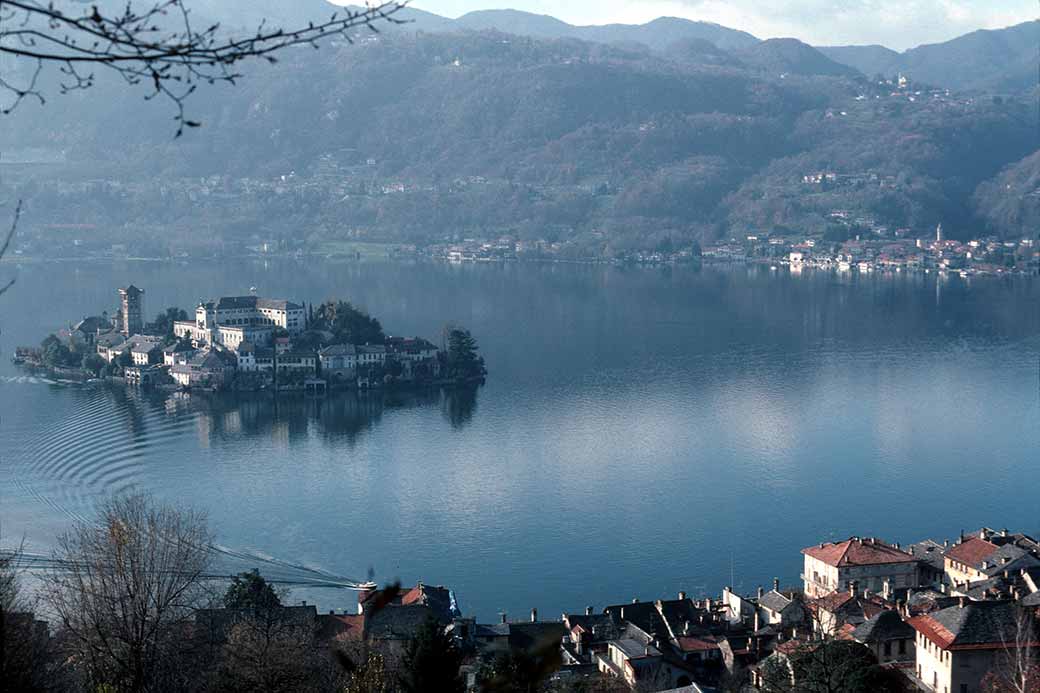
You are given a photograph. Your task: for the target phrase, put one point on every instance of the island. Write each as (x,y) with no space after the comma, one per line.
(250,343)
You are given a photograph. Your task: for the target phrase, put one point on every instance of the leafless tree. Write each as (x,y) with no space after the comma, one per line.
(1017,668)
(270,650)
(25,662)
(127,592)
(150,42)
(5,245)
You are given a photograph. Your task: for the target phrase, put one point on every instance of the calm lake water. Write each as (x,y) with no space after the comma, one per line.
(642,431)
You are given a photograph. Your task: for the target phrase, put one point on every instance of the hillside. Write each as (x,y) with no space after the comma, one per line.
(791,56)
(985,60)
(423,138)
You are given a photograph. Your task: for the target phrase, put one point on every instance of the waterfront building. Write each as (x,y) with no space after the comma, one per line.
(298,362)
(371,355)
(178,352)
(206,368)
(871,562)
(415,349)
(144,349)
(231,320)
(131,310)
(339,361)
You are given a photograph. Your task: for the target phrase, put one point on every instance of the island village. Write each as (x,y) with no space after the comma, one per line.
(250,343)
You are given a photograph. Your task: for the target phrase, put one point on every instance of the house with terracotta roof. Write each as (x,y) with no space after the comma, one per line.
(839,613)
(959,645)
(870,562)
(988,554)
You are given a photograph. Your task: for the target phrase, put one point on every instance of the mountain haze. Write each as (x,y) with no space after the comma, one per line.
(425,136)
(1004,59)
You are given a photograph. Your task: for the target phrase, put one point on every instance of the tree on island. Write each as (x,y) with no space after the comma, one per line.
(463,359)
(349,324)
(55,354)
(92,363)
(163,323)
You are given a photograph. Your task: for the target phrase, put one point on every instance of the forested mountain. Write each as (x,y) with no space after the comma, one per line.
(425,137)
(1001,60)
(791,56)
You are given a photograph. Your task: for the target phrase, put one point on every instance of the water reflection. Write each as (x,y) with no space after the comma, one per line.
(339,418)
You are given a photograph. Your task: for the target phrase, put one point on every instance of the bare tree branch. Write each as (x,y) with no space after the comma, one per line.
(157,46)
(7,244)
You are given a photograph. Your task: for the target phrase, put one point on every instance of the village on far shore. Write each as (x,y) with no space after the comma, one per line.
(250,343)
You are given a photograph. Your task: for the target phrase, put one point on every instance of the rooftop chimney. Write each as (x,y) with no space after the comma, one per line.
(635,600)
(588,610)
(776,584)
(760,592)
(503,616)
(682,596)
(961,602)
(534,615)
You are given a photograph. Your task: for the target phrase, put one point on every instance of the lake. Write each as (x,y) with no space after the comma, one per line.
(642,430)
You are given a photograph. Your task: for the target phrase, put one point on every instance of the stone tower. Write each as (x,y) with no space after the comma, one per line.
(131,310)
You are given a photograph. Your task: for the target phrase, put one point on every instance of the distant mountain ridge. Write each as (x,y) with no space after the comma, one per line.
(988,59)
(985,60)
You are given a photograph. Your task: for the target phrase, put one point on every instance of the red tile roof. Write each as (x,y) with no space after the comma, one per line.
(933,630)
(833,601)
(690,644)
(857,551)
(972,551)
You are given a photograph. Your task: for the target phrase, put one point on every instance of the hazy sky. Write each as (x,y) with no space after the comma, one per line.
(898,24)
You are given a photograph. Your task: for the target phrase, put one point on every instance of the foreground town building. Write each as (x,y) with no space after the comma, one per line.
(868,561)
(959,646)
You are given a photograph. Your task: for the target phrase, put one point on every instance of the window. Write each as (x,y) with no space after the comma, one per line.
(888,648)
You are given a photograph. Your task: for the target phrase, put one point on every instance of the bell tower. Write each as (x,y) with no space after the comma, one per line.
(131,310)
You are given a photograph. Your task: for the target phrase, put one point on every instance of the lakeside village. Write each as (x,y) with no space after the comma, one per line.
(876,249)
(250,343)
(868,616)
